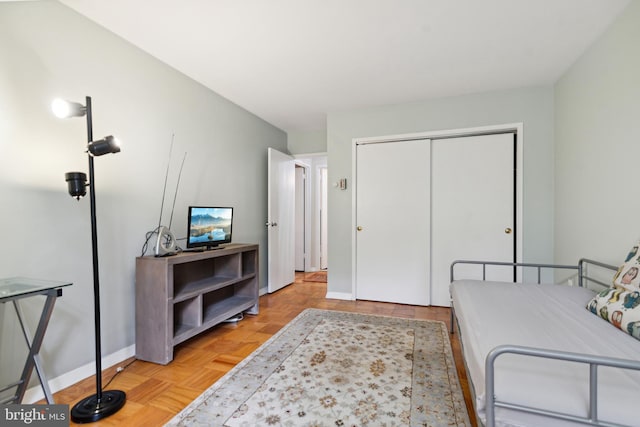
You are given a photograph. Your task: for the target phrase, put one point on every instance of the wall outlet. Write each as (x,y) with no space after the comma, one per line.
(570,282)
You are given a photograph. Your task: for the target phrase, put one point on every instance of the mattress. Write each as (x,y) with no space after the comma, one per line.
(551,317)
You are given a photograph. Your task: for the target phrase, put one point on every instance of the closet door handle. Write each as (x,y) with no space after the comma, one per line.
(507,230)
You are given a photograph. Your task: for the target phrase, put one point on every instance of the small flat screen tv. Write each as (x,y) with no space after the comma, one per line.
(208,227)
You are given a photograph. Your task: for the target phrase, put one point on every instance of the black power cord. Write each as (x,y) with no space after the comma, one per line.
(118,370)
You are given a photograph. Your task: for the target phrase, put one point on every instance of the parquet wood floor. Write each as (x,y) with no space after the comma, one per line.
(155,393)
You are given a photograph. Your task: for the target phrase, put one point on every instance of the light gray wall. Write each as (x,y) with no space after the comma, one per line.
(531,106)
(304,142)
(48,50)
(597,135)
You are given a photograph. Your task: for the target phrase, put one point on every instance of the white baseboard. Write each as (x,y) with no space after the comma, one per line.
(340,295)
(65,380)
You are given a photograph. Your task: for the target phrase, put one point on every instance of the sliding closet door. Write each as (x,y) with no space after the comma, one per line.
(392,243)
(473,206)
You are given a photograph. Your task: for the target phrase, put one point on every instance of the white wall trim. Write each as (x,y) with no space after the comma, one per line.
(35,394)
(321,211)
(447,133)
(354,215)
(307,211)
(340,295)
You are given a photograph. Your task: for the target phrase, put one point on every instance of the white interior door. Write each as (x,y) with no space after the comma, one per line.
(393,217)
(472,207)
(281,220)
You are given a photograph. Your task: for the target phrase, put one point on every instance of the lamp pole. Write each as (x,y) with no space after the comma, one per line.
(94,251)
(102,404)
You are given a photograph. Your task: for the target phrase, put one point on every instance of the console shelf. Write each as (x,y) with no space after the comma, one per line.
(206,285)
(180,296)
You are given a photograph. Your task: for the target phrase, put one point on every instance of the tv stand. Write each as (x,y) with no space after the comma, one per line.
(180,296)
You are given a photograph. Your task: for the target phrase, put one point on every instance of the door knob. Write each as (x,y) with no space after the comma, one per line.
(271,224)
(507,230)
(359,228)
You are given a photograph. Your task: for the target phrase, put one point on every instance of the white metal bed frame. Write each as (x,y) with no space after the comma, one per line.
(594,362)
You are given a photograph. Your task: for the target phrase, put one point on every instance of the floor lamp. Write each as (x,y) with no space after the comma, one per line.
(103,403)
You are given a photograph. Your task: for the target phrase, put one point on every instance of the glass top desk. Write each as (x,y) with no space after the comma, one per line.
(13,289)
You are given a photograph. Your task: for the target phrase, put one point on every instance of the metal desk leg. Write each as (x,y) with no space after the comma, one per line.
(33,359)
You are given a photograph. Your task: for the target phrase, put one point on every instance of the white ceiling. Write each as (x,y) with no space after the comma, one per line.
(291,62)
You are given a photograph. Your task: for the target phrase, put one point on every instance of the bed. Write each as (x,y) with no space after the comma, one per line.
(542,350)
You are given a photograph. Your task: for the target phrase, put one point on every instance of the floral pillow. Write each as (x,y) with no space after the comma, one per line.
(619,307)
(628,275)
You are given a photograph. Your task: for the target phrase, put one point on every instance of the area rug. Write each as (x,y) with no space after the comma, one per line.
(331,368)
(318,276)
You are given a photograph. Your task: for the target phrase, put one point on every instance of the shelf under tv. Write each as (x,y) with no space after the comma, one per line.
(178,297)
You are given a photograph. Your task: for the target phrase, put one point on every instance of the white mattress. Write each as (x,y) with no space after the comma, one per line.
(552,317)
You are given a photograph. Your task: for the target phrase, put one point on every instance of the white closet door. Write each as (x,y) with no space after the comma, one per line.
(392,244)
(472,202)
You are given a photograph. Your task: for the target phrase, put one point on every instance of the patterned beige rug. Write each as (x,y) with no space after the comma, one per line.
(331,368)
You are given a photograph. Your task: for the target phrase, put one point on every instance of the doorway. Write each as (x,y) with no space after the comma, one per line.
(294,215)
(311,212)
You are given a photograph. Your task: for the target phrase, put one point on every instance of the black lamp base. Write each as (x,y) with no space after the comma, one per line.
(88,410)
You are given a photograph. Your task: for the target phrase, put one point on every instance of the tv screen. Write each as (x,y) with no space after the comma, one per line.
(209,227)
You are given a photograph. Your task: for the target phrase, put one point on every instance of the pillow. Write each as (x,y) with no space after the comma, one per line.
(627,277)
(619,307)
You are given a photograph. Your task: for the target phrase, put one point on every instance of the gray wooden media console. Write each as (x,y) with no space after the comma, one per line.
(180,296)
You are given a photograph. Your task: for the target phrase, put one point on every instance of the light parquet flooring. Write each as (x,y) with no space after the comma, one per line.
(155,393)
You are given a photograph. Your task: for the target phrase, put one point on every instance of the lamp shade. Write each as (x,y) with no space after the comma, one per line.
(64,109)
(77,183)
(106,145)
